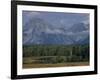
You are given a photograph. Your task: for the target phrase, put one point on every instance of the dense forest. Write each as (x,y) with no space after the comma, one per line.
(55,53)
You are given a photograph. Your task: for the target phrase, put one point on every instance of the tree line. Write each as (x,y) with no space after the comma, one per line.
(58,53)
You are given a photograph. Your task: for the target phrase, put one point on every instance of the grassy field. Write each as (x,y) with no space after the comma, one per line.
(34,62)
(69,64)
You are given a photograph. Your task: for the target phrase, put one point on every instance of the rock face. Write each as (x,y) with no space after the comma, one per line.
(38,31)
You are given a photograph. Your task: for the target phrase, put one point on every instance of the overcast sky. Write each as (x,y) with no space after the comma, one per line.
(56,18)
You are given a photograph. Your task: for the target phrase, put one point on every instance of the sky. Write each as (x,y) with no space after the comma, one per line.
(57,19)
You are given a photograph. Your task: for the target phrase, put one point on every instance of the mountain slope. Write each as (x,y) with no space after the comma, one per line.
(38,31)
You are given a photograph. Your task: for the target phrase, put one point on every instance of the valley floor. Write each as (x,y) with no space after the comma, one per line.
(67,64)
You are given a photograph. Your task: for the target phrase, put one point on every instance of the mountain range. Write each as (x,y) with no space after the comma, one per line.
(38,31)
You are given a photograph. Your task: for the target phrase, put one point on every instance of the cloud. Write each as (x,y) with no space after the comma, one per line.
(27,15)
(86,20)
(54,31)
(31,13)
(62,21)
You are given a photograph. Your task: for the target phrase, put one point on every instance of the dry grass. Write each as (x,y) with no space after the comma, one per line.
(31,65)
